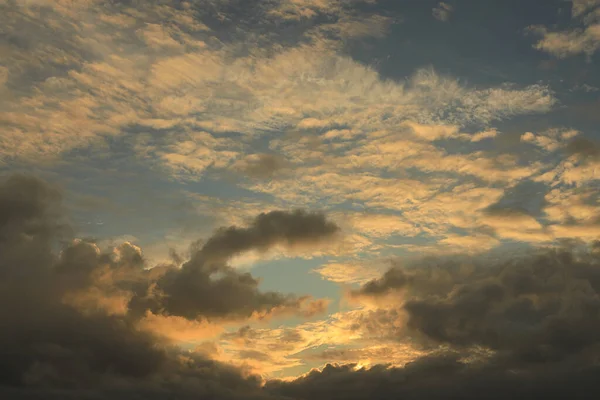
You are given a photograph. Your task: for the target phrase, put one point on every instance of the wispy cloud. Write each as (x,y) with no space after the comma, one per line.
(442,11)
(581,40)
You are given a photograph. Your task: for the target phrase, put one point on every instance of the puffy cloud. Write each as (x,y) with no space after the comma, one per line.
(49,344)
(392,279)
(567,43)
(514,324)
(564,44)
(532,309)
(439,377)
(520,326)
(69,329)
(268,229)
(206,286)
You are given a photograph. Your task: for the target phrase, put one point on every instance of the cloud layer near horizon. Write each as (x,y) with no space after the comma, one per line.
(75,320)
(514,324)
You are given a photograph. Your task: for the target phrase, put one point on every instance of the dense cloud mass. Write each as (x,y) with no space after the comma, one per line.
(266,230)
(67,330)
(527,327)
(443,377)
(193,291)
(537,309)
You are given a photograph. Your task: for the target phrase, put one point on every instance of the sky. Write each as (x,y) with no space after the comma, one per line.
(294,199)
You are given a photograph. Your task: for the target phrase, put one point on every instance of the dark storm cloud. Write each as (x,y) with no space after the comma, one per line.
(52,349)
(206,286)
(267,230)
(525,327)
(519,328)
(392,279)
(220,292)
(538,308)
(442,377)
(430,276)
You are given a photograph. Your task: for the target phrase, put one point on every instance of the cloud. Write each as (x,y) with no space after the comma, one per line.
(273,96)
(376,225)
(575,41)
(301,122)
(522,326)
(268,229)
(438,377)
(367,355)
(442,11)
(513,323)
(392,279)
(205,286)
(3,76)
(128,71)
(533,309)
(70,329)
(552,139)
(352,272)
(584,148)
(579,161)
(349,336)
(262,166)
(564,44)
(517,224)
(573,213)
(50,349)
(580,7)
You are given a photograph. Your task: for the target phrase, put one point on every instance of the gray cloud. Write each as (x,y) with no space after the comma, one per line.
(548,303)
(191,292)
(394,278)
(536,318)
(49,349)
(443,376)
(267,230)
(52,348)
(539,309)
(207,286)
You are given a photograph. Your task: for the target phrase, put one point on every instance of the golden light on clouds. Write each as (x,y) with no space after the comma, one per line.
(299,199)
